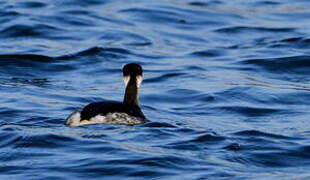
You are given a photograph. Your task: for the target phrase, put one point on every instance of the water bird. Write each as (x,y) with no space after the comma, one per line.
(127,112)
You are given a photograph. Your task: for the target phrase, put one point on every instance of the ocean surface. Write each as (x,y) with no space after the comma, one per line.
(226,87)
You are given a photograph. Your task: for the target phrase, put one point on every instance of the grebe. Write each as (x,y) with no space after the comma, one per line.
(127,112)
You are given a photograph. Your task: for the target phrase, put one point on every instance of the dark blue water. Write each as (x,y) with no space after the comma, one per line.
(227,88)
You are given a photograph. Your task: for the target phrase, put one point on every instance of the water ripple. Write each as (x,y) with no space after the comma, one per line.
(226,87)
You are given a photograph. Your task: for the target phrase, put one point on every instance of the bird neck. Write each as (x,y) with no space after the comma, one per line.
(131,93)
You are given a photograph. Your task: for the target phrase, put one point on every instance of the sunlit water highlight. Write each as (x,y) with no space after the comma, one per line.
(226,87)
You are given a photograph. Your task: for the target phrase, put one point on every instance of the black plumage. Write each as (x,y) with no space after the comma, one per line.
(130,106)
(105,107)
